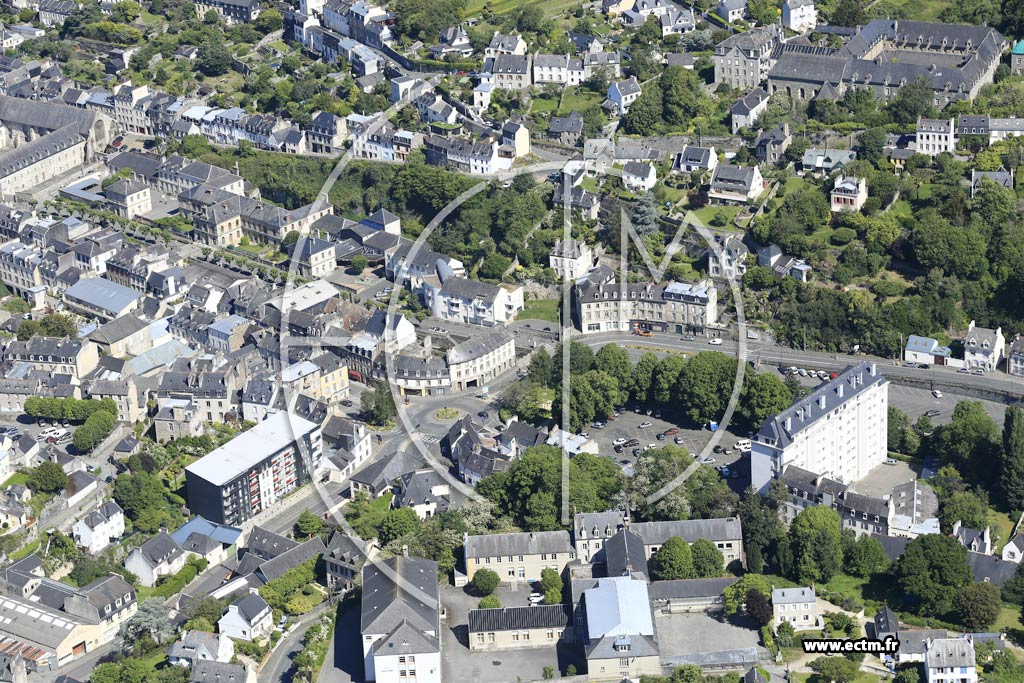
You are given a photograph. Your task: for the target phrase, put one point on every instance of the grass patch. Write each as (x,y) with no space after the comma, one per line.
(543,105)
(577,99)
(26,550)
(541,309)
(17,478)
(1002,525)
(1009,618)
(862,677)
(706,214)
(549,7)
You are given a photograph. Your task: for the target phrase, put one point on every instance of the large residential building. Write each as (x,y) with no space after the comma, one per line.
(473,302)
(255,469)
(400,621)
(732,184)
(518,557)
(864,515)
(839,430)
(743,60)
(620,307)
(887,54)
(476,361)
(512,628)
(593,530)
(55,356)
(618,630)
(231,11)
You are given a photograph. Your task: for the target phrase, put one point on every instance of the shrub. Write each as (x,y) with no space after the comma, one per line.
(485,581)
(843,236)
(489,602)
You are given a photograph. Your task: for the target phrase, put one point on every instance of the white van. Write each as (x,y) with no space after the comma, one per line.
(742,445)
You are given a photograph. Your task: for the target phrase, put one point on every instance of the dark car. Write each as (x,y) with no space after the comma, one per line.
(718,449)
(660,437)
(631,443)
(637,452)
(347,403)
(484,415)
(618,449)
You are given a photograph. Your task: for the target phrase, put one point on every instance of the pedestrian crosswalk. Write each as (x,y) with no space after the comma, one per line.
(426,439)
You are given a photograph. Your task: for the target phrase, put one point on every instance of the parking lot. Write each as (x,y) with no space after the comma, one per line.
(28,426)
(646,428)
(458,662)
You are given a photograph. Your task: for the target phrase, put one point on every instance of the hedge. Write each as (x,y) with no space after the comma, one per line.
(170,585)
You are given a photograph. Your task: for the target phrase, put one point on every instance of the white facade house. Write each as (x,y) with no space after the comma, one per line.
(926,350)
(950,660)
(839,430)
(158,557)
(621,94)
(798,606)
(96,530)
(571,259)
(249,618)
(848,194)
(983,347)
(639,176)
(935,136)
(729,260)
(799,15)
(1013,551)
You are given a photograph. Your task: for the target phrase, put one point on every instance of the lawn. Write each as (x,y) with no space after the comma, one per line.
(550,7)
(543,105)
(707,214)
(1009,618)
(862,677)
(17,478)
(541,309)
(1002,525)
(577,99)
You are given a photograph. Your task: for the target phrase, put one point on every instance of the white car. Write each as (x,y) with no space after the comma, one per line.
(936,393)
(742,445)
(706,461)
(715,342)
(619,441)
(645,425)
(651,446)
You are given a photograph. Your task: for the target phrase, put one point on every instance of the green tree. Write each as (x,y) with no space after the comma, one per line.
(485,581)
(964,507)
(977,606)
(613,360)
(705,385)
(214,59)
(907,675)
(308,524)
(970,442)
(1013,589)
(683,96)
(866,557)
(785,635)
(931,571)
(674,560)
(489,602)
(550,580)
(871,141)
(814,540)
(707,559)
(834,669)
(268,21)
(642,379)
(762,396)
(540,368)
(645,114)
(359,263)
(398,523)
(1011,477)
(47,477)
(912,101)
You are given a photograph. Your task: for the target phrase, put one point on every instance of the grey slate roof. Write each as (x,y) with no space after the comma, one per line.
(781,428)
(266,544)
(690,530)
(251,606)
(291,559)
(950,652)
(399,589)
(625,554)
(525,543)
(520,618)
(690,588)
(159,549)
(478,346)
(209,671)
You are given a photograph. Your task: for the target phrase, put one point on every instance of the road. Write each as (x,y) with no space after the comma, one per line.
(278,665)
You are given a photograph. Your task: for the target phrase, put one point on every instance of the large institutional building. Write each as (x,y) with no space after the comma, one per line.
(887,54)
(255,469)
(838,431)
(42,140)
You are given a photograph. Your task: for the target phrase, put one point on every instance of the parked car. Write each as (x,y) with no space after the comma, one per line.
(715,342)
(742,445)
(645,425)
(598,425)
(619,441)
(657,414)
(925,366)
(718,449)
(660,437)
(707,461)
(910,365)
(637,452)
(618,449)
(977,371)
(678,441)
(484,415)
(672,431)
(347,403)
(631,443)
(931,413)
(891,461)
(936,393)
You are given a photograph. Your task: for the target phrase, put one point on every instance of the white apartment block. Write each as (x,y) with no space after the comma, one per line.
(473,302)
(799,15)
(838,431)
(571,260)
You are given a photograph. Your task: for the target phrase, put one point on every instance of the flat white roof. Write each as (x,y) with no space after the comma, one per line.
(249,448)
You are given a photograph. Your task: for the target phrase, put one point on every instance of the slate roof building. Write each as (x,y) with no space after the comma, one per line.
(886,54)
(620,640)
(518,557)
(509,628)
(838,430)
(400,619)
(159,556)
(248,618)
